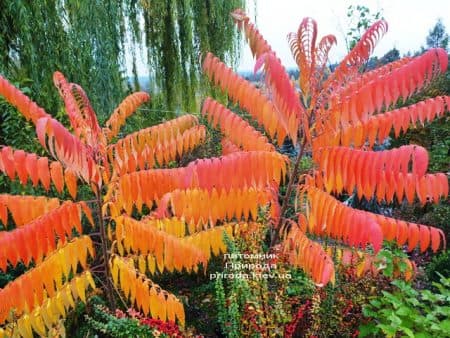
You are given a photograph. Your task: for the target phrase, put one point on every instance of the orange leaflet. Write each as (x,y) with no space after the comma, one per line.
(126,108)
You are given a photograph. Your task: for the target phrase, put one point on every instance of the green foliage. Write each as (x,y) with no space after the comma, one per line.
(92,41)
(109,325)
(336,311)
(80,38)
(391,260)
(440,264)
(255,296)
(360,20)
(409,312)
(437,36)
(230,305)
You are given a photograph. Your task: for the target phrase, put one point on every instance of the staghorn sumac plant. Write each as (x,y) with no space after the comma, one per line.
(177,209)
(337,116)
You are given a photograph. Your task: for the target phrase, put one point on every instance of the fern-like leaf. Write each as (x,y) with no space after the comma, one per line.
(248,96)
(236,129)
(38,237)
(25,209)
(30,289)
(148,296)
(170,252)
(202,206)
(43,317)
(309,256)
(37,169)
(125,109)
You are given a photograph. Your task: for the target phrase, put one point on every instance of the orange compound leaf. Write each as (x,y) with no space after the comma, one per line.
(284,95)
(258,44)
(38,238)
(68,149)
(348,68)
(29,166)
(236,129)
(160,143)
(25,165)
(173,226)
(308,255)
(125,109)
(24,105)
(330,217)
(306,55)
(94,131)
(248,96)
(145,295)
(25,209)
(48,314)
(28,290)
(413,234)
(387,89)
(246,169)
(73,109)
(201,206)
(228,146)
(135,236)
(378,127)
(382,174)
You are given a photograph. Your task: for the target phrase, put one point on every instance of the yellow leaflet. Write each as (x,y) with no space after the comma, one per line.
(133,291)
(24,326)
(179,312)
(115,272)
(124,281)
(142,265)
(49,308)
(67,297)
(154,303)
(60,304)
(151,264)
(45,317)
(90,280)
(80,284)
(37,323)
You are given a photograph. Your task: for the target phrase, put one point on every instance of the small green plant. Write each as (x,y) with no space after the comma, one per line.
(409,312)
(231,304)
(440,264)
(109,325)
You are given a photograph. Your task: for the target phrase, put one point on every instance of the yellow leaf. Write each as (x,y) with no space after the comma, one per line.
(151,264)
(142,264)
(24,326)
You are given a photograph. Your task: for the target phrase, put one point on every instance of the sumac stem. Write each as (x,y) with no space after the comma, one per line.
(290,187)
(104,246)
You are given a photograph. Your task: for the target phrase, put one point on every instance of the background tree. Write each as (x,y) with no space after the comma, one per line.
(438,36)
(89,41)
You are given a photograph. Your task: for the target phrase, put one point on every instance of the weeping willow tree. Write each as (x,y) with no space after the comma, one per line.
(92,41)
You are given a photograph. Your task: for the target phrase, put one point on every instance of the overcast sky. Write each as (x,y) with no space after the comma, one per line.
(409,23)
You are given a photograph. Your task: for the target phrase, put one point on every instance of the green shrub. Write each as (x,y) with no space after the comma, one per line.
(409,312)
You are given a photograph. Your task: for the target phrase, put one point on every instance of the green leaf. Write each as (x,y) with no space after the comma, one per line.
(408,331)
(367,329)
(395,319)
